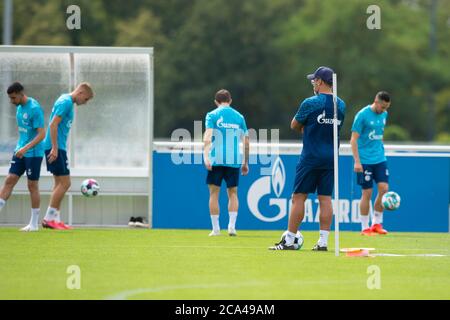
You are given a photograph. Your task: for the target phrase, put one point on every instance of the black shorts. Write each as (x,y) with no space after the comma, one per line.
(311,180)
(219,173)
(30,165)
(373,172)
(59,167)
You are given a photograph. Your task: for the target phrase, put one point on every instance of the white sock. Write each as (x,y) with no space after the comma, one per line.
(323,238)
(377,217)
(58,216)
(232,222)
(215,222)
(34,217)
(364,222)
(290,237)
(51,214)
(2,204)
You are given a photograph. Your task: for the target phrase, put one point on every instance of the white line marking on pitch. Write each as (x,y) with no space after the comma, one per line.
(408,255)
(413,249)
(129,293)
(124,295)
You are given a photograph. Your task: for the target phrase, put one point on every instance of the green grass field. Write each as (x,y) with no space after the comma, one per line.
(187,264)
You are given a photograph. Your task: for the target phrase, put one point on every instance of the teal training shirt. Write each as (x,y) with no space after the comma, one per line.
(370,127)
(63,108)
(30,117)
(228,128)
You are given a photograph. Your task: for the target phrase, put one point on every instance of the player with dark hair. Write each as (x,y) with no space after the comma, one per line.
(55,146)
(315,169)
(370,159)
(28,153)
(225,129)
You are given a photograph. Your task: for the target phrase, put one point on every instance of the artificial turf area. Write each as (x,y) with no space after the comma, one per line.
(187,264)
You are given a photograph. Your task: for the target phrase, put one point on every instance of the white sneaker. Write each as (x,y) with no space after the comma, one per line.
(214,233)
(29,228)
(232,232)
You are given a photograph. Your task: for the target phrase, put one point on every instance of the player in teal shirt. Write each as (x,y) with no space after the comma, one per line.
(55,146)
(370,159)
(225,129)
(370,126)
(62,108)
(229,126)
(29,151)
(30,117)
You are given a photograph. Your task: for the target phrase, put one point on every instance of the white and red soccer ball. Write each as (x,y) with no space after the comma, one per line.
(90,188)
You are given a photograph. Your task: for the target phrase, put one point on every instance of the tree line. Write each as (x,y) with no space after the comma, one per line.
(261,51)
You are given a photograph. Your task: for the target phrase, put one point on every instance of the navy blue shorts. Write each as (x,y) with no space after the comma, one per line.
(309,180)
(219,173)
(378,172)
(59,167)
(30,165)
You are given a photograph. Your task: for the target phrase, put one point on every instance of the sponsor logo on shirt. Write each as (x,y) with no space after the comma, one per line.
(221,124)
(322,120)
(373,136)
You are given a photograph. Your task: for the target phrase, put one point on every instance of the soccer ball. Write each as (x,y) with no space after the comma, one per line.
(298,242)
(90,188)
(390,200)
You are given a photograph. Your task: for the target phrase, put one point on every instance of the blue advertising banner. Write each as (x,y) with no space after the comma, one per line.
(180,197)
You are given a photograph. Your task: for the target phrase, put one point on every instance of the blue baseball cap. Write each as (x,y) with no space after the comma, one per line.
(323,73)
